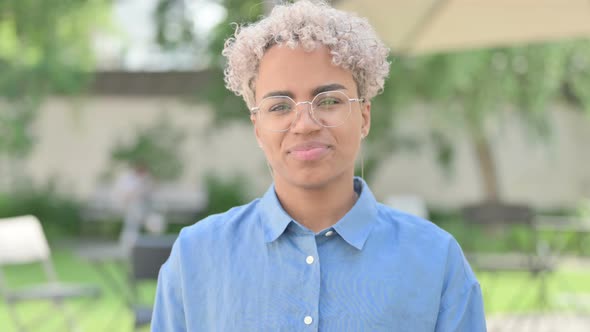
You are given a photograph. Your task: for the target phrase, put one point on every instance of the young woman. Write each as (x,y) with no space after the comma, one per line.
(317,252)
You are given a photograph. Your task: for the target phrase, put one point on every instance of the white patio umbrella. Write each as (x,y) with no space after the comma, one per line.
(431,26)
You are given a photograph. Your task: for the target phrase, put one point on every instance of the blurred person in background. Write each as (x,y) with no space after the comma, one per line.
(133,195)
(317,251)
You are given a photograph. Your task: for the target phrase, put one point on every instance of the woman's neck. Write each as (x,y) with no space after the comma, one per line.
(317,208)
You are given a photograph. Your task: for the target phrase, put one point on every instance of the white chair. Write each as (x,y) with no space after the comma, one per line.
(22,241)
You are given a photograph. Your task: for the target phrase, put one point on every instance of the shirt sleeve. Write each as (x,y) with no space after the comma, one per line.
(461,307)
(168,313)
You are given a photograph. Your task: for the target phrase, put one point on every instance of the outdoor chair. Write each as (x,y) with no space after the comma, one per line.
(523,251)
(148,254)
(110,259)
(22,241)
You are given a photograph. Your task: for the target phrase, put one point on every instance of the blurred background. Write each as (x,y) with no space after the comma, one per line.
(115,126)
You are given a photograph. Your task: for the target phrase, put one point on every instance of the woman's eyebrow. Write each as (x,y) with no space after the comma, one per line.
(319,89)
(279,93)
(328,87)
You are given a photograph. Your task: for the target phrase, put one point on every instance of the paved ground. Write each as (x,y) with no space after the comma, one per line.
(539,323)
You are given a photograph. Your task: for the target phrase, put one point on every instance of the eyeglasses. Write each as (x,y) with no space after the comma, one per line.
(327,109)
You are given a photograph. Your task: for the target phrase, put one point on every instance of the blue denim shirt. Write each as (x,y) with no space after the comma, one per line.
(253,268)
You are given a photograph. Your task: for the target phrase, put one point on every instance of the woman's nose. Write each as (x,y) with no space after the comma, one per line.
(304,120)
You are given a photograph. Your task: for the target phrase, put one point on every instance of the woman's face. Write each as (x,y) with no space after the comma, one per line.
(309,155)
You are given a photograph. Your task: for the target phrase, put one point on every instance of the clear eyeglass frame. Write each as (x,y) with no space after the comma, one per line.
(256,110)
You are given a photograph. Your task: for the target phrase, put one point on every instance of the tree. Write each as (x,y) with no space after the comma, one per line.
(228,107)
(466,89)
(157,147)
(44,48)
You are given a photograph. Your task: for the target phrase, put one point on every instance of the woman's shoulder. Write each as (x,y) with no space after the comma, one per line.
(222,224)
(415,227)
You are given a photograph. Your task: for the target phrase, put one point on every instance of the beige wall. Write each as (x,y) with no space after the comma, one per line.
(546,173)
(75,137)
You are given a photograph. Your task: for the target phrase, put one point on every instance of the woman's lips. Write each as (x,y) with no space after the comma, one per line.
(309,151)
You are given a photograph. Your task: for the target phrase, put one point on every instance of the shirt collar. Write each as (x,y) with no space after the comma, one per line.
(354,227)
(274,218)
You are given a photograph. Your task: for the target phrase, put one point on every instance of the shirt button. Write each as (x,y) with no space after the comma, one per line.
(309,260)
(329,233)
(307,320)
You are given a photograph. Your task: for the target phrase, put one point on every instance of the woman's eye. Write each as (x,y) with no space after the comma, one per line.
(280,108)
(329,102)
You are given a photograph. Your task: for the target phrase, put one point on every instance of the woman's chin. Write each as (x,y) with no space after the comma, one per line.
(310,180)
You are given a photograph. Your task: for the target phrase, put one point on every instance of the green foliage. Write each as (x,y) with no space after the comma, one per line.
(583,210)
(240,12)
(157,147)
(57,211)
(466,88)
(224,193)
(578,75)
(16,136)
(44,48)
(172,30)
(228,107)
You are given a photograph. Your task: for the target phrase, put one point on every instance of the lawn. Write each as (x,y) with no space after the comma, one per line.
(109,313)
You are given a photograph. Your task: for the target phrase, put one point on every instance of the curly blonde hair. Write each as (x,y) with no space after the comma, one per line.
(353,43)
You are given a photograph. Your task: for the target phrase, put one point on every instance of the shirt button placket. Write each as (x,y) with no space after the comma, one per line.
(308,316)
(311,312)
(308,320)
